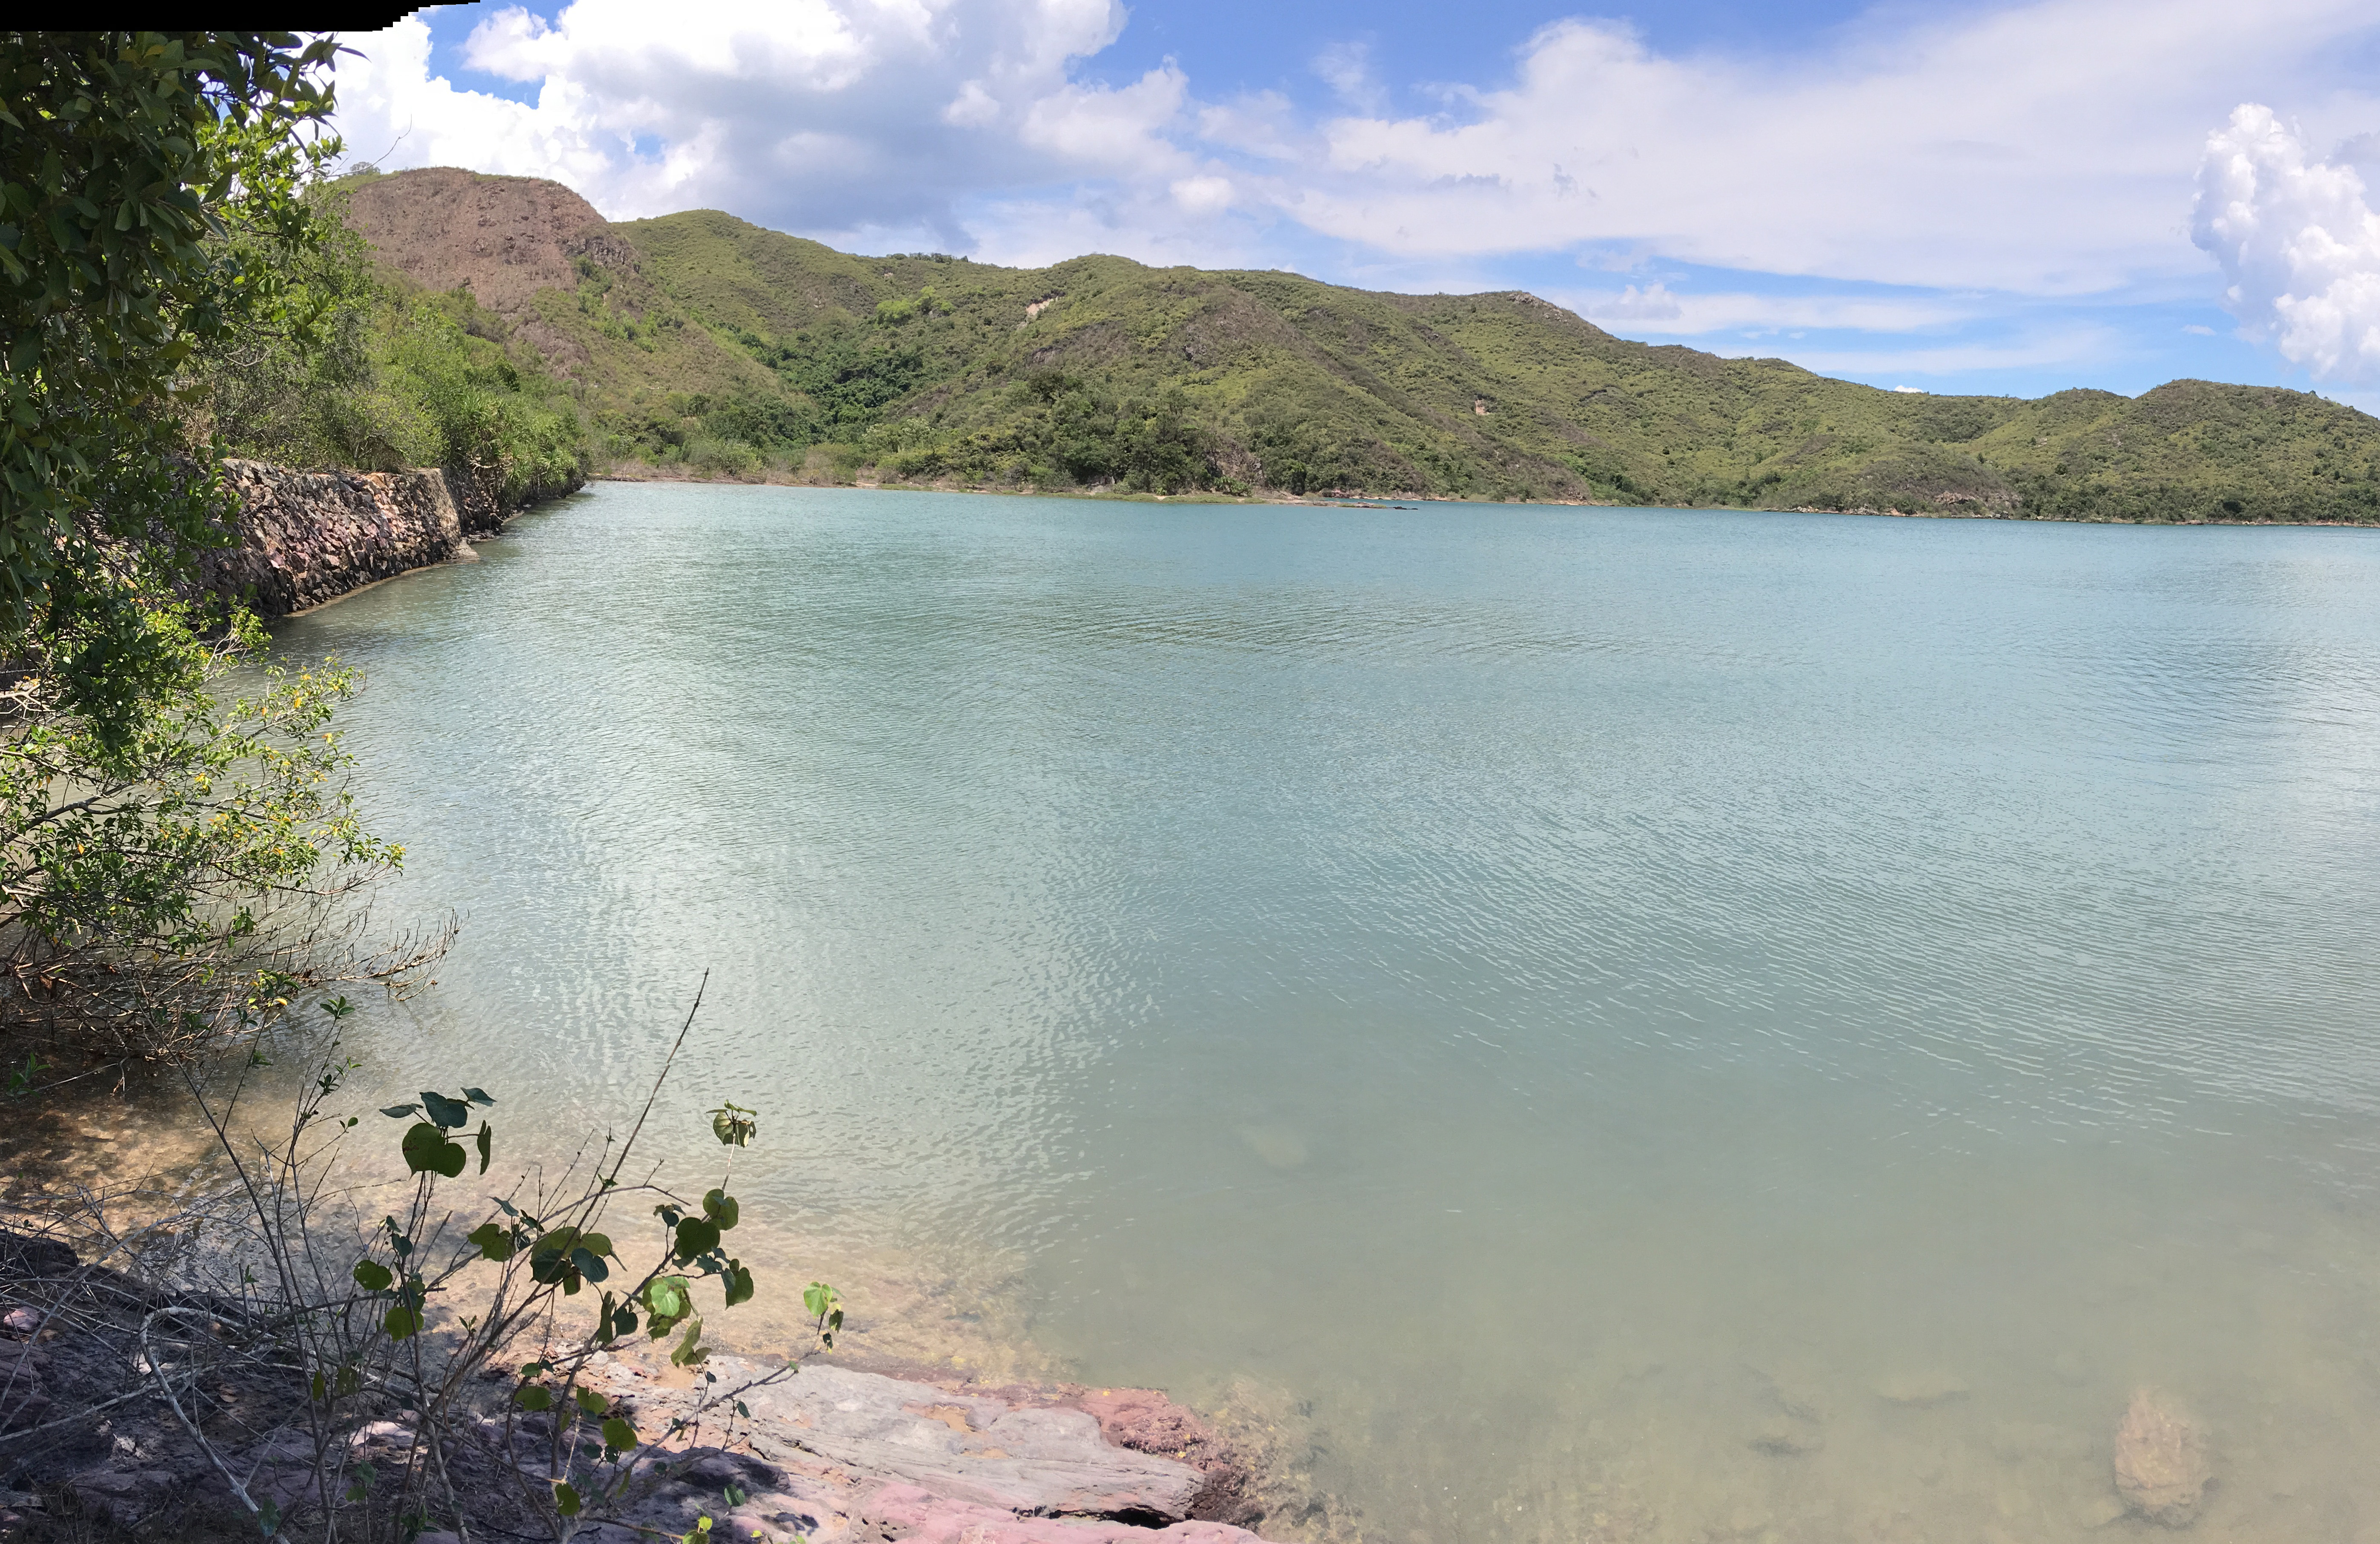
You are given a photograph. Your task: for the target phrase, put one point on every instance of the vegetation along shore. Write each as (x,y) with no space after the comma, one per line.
(699,345)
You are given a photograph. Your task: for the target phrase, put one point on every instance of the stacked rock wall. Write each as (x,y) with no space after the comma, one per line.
(310,536)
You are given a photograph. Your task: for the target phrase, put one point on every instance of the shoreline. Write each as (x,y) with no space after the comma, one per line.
(1371,500)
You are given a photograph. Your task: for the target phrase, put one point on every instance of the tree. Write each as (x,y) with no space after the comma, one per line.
(150,191)
(158,843)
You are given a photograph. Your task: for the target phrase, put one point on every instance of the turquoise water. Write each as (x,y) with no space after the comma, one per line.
(1520,999)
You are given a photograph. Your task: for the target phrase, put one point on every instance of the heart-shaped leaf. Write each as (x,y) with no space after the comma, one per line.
(403,1323)
(448,1113)
(697,1235)
(533,1396)
(372,1276)
(495,1240)
(720,1208)
(619,1436)
(427,1151)
(667,1297)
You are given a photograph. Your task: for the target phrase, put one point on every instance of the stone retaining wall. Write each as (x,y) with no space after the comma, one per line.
(310,536)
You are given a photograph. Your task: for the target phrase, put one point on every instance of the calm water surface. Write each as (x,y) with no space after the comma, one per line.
(1519,1000)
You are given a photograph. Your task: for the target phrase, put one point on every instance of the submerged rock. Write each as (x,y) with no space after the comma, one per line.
(2162,1468)
(1785,1436)
(1917,1389)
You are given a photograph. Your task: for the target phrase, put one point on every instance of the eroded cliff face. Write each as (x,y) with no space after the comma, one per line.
(310,536)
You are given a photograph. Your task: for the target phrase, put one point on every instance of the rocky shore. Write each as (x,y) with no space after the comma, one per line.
(830,1454)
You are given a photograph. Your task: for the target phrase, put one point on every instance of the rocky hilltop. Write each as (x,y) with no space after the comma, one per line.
(705,345)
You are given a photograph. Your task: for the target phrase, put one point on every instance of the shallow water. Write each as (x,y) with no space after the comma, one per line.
(1526,997)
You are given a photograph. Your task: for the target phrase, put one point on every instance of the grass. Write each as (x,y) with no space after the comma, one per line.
(725,350)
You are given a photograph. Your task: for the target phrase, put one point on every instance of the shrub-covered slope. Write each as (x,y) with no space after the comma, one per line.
(703,339)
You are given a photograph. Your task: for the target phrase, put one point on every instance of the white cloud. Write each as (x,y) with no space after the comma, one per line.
(823,115)
(1655,308)
(2299,242)
(2037,149)
(2041,148)
(1346,68)
(2063,348)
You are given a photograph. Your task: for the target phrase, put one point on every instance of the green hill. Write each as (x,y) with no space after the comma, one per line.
(698,340)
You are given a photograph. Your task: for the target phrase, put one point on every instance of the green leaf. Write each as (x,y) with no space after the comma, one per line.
(734,1125)
(372,1276)
(690,1351)
(478,1096)
(487,1140)
(533,1396)
(668,1297)
(565,1499)
(720,1208)
(495,1240)
(403,1323)
(697,1235)
(619,1436)
(739,1284)
(427,1151)
(448,1113)
(398,1112)
(590,1266)
(589,1400)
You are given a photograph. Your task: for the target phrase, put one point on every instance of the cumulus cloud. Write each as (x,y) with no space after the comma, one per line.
(2042,148)
(829,116)
(1657,308)
(2299,241)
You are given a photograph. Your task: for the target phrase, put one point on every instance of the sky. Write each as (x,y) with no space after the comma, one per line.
(1961,196)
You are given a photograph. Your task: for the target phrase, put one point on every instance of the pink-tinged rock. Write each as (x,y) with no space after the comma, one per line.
(1031,1462)
(911,1515)
(20,1324)
(2162,1468)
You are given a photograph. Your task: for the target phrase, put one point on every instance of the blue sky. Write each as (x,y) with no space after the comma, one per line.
(1953,198)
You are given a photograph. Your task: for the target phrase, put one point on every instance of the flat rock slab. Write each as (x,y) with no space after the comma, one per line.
(836,1454)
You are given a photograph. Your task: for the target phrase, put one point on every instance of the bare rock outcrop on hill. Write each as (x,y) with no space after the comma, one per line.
(505,238)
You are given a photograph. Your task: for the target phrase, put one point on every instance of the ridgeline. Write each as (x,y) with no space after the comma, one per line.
(699,344)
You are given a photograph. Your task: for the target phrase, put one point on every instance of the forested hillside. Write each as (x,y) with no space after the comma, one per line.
(701,342)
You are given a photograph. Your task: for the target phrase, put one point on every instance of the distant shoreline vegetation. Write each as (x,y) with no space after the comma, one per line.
(700,346)
(787,477)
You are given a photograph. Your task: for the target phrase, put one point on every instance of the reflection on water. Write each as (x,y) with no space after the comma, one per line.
(1598,1024)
